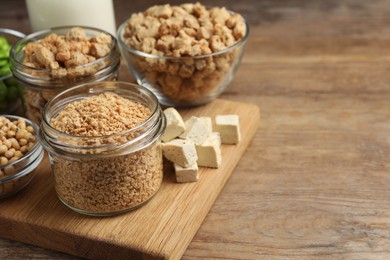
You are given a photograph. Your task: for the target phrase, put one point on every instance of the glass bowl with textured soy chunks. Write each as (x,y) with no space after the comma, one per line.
(186,55)
(10,91)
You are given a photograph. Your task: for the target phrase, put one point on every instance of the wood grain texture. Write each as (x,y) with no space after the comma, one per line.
(161,229)
(314,182)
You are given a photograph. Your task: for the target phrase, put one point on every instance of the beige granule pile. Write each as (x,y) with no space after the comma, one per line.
(104,114)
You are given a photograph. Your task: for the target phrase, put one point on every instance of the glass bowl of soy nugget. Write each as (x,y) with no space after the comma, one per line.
(187,54)
(50,61)
(11,92)
(20,153)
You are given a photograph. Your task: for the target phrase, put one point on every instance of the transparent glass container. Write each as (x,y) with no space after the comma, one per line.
(23,169)
(183,81)
(105,175)
(40,85)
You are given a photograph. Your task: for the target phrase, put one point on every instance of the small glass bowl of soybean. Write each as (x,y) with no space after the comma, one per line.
(20,153)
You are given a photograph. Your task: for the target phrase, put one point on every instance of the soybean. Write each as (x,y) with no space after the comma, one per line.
(16,140)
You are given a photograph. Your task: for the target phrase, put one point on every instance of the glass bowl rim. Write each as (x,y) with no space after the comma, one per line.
(148,55)
(36,36)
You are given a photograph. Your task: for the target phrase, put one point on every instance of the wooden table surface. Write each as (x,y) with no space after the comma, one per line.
(314,183)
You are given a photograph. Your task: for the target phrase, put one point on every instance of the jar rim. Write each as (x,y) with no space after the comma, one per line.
(96,88)
(17,64)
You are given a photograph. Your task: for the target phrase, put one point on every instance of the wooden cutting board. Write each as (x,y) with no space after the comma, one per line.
(163,228)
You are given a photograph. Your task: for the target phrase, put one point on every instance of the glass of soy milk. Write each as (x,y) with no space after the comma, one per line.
(45,14)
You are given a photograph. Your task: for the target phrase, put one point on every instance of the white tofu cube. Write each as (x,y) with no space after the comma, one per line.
(209,152)
(175,124)
(180,152)
(229,128)
(186,174)
(197,129)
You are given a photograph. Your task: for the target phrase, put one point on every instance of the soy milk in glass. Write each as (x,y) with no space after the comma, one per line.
(46,14)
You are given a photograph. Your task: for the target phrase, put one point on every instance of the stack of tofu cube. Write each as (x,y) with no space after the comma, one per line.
(193,144)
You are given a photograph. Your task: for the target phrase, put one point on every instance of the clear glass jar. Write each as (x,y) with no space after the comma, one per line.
(40,85)
(105,175)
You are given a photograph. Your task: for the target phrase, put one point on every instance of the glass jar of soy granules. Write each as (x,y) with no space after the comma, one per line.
(104,148)
(48,62)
